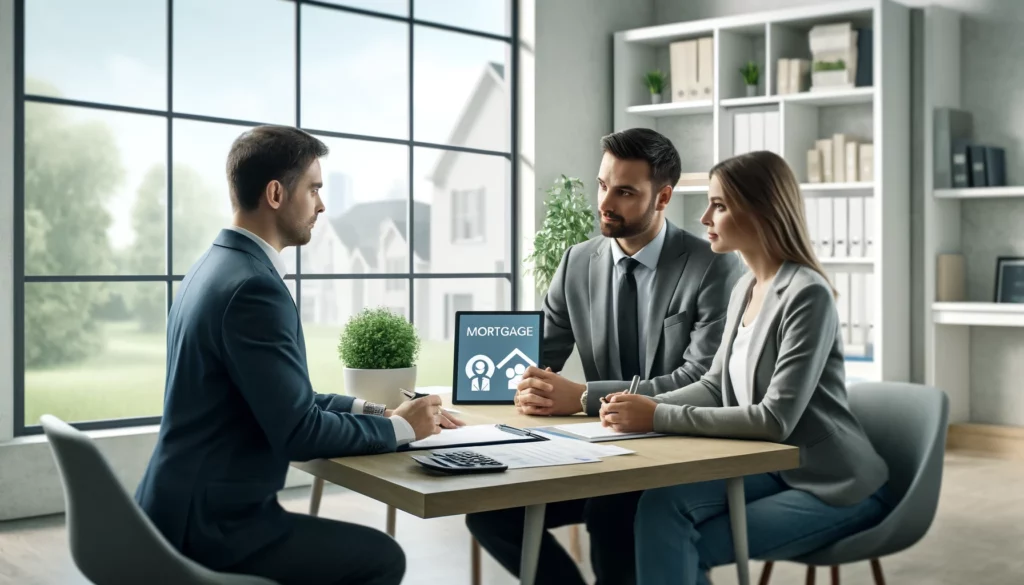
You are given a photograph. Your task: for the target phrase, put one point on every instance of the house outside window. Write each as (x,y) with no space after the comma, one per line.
(468,215)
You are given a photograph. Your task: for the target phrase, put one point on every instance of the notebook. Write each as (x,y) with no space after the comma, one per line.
(595,432)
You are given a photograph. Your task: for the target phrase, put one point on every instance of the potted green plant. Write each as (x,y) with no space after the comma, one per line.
(655,81)
(378,349)
(569,220)
(751,74)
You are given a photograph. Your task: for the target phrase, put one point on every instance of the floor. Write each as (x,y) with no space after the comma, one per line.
(977,538)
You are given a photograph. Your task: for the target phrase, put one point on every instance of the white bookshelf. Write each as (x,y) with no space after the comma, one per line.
(690,189)
(766,37)
(980,192)
(978,314)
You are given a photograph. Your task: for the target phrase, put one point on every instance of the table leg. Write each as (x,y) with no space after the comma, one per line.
(738,521)
(533,530)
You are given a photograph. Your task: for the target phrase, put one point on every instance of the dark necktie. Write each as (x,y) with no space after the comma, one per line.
(629,330)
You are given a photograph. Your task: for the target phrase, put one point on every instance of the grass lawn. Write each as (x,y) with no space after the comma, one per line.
(127,379)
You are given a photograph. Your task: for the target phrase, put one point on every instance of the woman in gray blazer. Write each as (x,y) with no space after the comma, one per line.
(777,376)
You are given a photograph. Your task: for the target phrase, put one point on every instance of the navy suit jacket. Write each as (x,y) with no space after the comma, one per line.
(238,407)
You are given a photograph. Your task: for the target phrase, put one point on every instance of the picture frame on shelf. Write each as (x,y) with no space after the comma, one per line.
(1009,279)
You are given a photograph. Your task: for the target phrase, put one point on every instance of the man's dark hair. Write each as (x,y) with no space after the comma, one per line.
(265,154)
(646,144)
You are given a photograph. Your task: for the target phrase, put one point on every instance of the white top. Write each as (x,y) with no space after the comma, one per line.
(403,430)
(644,273)
(738,361)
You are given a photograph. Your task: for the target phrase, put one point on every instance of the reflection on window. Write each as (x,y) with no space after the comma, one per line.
(468,215)
(453,303)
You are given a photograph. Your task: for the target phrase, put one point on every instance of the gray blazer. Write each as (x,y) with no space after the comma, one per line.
(798,386)
(685,323)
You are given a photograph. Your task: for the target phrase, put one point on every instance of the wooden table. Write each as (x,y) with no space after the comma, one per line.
(395,479)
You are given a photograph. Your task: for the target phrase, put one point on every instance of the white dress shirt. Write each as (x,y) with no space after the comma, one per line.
(644,273)
(738,361)
(403,430)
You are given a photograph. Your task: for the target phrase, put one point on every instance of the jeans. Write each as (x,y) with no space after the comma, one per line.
(683,531)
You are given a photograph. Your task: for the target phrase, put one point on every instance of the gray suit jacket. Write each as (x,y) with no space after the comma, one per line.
(797,382)
(685,323)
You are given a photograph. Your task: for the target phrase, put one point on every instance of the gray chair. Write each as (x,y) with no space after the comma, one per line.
(112,540)
(907,426)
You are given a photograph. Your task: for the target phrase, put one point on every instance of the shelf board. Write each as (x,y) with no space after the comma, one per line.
(980,192)
(672,109)
(839,97)
(850,261)
(758,100)
(839,189)
(690,189)
(980,314)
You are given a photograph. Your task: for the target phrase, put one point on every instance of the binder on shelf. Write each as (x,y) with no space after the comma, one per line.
(782,77)
(869,315)
(839,160)
(843,305)
(756,131)
(825,227)
(865,54)
(811,213)
(772,130)
(814,166)
(866,160)
(951,128)
(683,58)
(705,68)
(869,231)
(852,148)
(961,165)
(827,161)
(995,166)
(976,159)
(950,281)
(840,227)
(856,230)
(858,331)
(740,134)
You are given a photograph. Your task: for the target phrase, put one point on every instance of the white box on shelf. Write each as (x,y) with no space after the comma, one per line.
(740,134)
(772,133)
(756,131)
(825,240)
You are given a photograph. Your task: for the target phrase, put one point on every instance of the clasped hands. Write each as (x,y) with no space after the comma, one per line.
(425,416)
(545,393)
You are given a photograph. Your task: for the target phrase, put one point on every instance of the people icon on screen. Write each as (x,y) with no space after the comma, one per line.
(479,370)
(515,376)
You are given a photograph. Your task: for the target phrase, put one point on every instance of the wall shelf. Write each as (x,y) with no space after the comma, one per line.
(673,109)
(979,314)
(759,100)
(980,192)
(690,189)
(865,189)
(844,97)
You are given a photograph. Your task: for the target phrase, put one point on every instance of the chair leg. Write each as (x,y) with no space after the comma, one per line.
(474,562)
(835,574)
(391,521)
(766,573)
(811,574)
(575,548)
(876,571)
(315,494)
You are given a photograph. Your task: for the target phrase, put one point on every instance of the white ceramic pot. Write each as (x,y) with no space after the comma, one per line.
(655,98)
(751,90)
(380,386)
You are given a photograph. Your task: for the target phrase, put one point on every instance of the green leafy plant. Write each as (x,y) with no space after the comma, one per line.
(837,65)
(655,81)
(377,339)
(569,220)
(750,73)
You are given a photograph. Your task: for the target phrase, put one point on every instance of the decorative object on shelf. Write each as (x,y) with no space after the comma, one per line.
(751,74)
(379,350)
(834,50)
(950,281)
(1009,280)
(569,220)
(692,69)
(655,81)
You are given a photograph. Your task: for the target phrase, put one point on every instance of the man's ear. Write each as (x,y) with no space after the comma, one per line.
(664,196)
(275,194)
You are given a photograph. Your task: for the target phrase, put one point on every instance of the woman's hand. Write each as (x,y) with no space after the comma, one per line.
(629,413)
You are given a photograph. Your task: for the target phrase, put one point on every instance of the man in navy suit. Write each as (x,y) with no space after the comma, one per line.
(239,404)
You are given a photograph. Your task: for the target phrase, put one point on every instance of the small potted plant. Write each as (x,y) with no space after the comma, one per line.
(569,220)
(750,75)
(655,81)
(378,349)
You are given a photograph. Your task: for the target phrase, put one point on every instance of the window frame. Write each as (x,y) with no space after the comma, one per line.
(20,279)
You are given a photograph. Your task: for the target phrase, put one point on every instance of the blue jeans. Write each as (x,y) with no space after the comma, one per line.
(682,531)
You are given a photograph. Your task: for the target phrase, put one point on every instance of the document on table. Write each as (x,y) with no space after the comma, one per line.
(595,432)
(557,451)
(472,435)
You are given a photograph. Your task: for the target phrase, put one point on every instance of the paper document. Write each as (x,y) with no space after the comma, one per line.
(467,435)
(595,431)
(582,448)
(523,455)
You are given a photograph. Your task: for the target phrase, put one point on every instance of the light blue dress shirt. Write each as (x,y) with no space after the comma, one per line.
(644,273)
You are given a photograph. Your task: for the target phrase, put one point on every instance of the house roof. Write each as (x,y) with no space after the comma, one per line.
(359,227)
(493,76)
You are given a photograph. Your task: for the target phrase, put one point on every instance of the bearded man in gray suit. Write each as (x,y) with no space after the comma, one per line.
(645,298)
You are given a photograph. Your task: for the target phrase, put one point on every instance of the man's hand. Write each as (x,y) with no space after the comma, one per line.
(423,414)
(545,393)
(628,413)
(447,419)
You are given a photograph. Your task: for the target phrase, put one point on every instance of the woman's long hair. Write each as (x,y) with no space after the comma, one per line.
(764,190)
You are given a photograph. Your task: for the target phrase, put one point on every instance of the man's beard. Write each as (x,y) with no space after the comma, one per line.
(296,232)
(626,229)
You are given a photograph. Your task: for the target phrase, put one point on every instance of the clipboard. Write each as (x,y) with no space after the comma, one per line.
(475,436)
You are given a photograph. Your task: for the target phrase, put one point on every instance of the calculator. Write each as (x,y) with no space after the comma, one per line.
(460,462)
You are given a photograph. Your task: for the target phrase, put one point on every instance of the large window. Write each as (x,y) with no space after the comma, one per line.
(127,109)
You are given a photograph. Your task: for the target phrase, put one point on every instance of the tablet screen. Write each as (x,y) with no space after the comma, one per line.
(492,350)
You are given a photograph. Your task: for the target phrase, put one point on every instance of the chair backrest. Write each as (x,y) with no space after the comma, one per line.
(111,538)
(906,423)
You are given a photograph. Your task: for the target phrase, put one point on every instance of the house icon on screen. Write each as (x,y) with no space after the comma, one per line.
(516,362)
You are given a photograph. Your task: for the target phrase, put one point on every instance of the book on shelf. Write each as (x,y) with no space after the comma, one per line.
(691,64)
(866,160)
(952,131)
(995,166)
(705,68)
(839,157)
(782,77)
(950,281)
(827,160)
(976,161)
(698,179)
